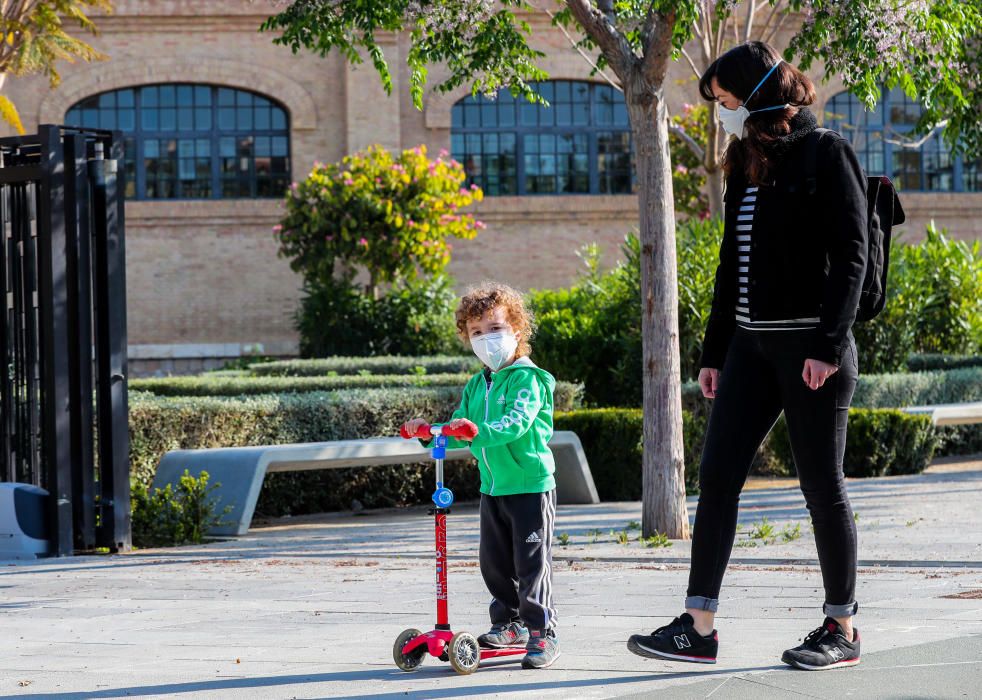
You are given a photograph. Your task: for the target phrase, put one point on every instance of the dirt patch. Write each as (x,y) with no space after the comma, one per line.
(975,594)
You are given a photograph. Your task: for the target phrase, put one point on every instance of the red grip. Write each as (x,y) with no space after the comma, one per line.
(463,429)
(423,432)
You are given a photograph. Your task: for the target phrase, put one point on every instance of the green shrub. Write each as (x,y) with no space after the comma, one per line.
(414,317)
(611,439)
(166,518)
(925,362)
(918,388)
(326,366)
(934,303)
(878,442)
(591,332)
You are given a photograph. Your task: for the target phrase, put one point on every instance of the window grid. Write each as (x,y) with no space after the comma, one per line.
(190,141)
(930,168)
(580,144)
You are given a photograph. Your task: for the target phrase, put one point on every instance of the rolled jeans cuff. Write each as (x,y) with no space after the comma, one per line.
(698,602)
(847,610)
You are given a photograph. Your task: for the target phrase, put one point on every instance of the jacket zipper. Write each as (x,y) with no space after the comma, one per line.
(487,409)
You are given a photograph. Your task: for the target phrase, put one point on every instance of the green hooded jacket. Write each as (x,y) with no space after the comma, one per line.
(514,425)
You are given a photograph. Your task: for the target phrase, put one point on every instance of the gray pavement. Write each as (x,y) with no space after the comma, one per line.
(309,607)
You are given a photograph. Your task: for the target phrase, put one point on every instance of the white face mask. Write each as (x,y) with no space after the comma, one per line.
(733,119)
(495,349)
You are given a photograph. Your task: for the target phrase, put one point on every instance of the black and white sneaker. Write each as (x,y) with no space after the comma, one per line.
(677,641)
(824,648)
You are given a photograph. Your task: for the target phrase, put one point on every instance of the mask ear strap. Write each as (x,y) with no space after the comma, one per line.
(762,80)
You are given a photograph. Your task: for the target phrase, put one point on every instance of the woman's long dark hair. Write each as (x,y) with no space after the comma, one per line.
(738,71)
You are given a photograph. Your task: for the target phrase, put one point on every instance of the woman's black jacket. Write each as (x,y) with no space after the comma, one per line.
(808,251)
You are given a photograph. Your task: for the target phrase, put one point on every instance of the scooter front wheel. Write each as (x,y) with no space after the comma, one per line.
(465,653)
(412,660)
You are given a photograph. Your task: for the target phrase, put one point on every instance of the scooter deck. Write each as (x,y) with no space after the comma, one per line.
(497,652)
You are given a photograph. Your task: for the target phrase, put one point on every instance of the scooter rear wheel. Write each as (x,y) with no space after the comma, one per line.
(412,660)
(465,653)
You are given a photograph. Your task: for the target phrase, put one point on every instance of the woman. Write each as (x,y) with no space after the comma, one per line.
(787,289)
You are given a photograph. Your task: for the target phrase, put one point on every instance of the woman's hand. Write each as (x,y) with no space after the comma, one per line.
(816,372)
(708,381)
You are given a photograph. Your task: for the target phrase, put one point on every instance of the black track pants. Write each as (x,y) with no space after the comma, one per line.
(762,376)
(516,557)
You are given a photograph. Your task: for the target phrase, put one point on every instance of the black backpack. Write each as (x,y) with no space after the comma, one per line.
(883,212)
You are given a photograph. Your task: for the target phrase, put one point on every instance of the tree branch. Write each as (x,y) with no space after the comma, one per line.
(777,8)
(693,145)
(613,44)
(613,83)
(751,9)
(776,28)
(692,64)
(658,47)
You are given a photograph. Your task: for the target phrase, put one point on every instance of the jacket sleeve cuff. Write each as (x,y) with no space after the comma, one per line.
(826,351)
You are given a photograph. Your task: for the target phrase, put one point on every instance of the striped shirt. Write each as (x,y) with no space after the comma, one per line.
(744,234)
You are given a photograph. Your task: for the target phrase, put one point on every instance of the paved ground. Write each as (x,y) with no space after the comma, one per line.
(309,607)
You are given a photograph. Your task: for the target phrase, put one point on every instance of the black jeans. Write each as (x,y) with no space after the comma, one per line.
(516,557)
(762,376)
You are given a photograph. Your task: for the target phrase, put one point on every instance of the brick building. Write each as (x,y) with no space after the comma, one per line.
(218,120)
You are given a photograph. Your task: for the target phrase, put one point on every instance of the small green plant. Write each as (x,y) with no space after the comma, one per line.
(762,530)
(855,517)
(656,540)
(418,370)
(594,535)
(563,539)
(634,525)
(790,534)
(168,518)
(622,537)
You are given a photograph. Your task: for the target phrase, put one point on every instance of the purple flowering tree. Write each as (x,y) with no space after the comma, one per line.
(484,45)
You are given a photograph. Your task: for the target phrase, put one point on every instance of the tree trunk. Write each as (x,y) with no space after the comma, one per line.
(713,165)
(664,507)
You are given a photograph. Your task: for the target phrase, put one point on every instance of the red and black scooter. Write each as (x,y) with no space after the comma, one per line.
(460,649)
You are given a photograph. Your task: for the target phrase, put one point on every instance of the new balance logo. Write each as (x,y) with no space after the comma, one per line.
(682,641)
(836,654)
(534,537)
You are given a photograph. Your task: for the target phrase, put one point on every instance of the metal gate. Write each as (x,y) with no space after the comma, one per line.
(63,331)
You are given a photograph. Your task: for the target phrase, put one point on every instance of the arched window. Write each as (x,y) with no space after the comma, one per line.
(580,144)
(186,141)
(878,138)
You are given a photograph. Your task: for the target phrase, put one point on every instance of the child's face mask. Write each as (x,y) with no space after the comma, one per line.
(495,349)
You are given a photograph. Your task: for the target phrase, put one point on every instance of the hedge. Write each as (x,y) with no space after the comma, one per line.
(566,394)
(237,385)
(389,364)
(160,424)
(879,442)
(928,362)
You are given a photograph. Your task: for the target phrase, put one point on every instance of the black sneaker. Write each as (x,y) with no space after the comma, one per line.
(677,641)
(542,649)
(824,648)
(510,634)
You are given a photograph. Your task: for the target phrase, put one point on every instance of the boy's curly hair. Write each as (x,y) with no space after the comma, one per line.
(481,299)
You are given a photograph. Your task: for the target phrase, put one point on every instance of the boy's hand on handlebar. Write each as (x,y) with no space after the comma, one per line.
(415,428)
(460,428)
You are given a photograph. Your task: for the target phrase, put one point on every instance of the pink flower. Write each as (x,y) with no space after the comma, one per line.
(681,169)
(328,238)
(444,153)
(480,224)
(277,228)
(363,241)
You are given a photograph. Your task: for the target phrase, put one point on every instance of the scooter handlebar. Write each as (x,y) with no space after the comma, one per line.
(460,428)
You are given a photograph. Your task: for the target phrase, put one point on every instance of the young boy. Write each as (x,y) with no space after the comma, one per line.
(510,403)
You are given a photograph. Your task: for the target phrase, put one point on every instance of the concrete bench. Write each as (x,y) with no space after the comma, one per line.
(950,413)
(241,470)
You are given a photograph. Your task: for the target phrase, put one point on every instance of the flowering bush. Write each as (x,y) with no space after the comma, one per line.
(389,215)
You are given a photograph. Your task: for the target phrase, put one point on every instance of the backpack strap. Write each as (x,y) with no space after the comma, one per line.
(813,140)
